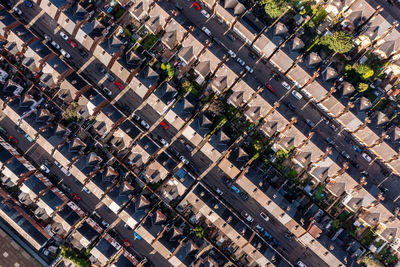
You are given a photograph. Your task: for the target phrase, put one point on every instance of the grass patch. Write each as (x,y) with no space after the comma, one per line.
(319,193)
(367,238)
(318,18)
(149,41)
(344,216)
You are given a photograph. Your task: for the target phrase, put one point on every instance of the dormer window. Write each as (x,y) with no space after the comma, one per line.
(67,20)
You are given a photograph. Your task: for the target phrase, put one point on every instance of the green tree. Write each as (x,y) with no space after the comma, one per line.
(291,174)
(364,71)
(169,69)
(199,231)
(187,86)
(71,112)
(275,8)
(335,224)
(340,42)
(362,87)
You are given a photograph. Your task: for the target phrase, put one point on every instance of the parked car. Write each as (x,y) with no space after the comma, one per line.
(17,11)
(364,172)
(189,147)
(164,125)
(259,228)
(345,155)
(136,118)
(247,216)
(227,181)
(126,226)
(83,53)
(355,164)
(65,53)
(29,138)
(290,106)
(184,160)
(206,31)
(119,85)
(297,95)
(310,123)
(205,14)
(72,43)
(265,217)
(241,61)
(105,224)
(57,46)
(285,85)
(330,141)
(269,87)
(219,191)
(163,142)
(196,6)
(250,70)
(44,168)
(110,77)
(86,190)
(244,196)
(231,37)
(3,131)
(63,35)
(356,148)
(107,91)
(366,157)
(301,264)
(231,53)
(145,124)
(235,189)
(76,197)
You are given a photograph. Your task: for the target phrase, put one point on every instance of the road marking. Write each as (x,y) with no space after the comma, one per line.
(85,65)
(35,19)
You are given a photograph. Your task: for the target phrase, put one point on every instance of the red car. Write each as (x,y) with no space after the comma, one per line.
(119,85)
(127,243)
(271,88)
(76,197)
(72,43)
(164,125)
(196,6)
(13,140)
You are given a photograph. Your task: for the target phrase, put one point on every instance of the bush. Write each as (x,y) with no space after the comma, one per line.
(169,69)
(362,87)
(275,8)
(364,71)
(72,256)
(340,42)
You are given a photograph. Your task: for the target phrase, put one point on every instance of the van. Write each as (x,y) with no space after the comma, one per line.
(297,95)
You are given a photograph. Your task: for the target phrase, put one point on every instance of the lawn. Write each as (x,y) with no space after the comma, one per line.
(319,193)
(149,41)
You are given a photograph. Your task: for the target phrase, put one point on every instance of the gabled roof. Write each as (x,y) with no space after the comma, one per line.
(109,174)
(347,89)
(76,13)
(148,77)
(23,33)
(363,104)
(76,145)
(158,218)
(142,203)
(296,44)
(93,28)
(280,29)
(313,59)
(330,74)
(237,8)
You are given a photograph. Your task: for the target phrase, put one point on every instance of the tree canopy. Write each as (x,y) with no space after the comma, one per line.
(340,42)
(275,8)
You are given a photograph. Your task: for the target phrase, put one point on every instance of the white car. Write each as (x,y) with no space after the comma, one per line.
(48,38)
(105,224)
(240,61)
(145,124)
(206,31)
(17,11)
(64,36)
(107,91)
(247,216)
(286,85)
(265,217)
(183,159)
(260,228)
(366,157)
(86,189)
(65,53)
(231,53)
(249,69)
(301,264)
(297,95)
(45,168)
(55,45)
(205,13)
(163,142)
(219,192)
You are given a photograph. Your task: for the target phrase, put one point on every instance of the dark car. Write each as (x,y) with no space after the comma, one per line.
(227,181)
(290,106)
(83,53)
(355,164)
(244,196)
